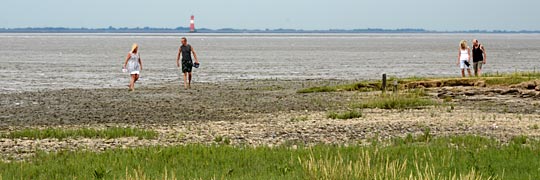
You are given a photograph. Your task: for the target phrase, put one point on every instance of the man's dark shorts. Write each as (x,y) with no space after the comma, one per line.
(187,66)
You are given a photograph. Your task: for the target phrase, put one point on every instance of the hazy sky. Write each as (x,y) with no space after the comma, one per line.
(260,14)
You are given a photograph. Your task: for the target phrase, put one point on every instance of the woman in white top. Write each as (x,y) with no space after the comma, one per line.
(134,65)
(464,58)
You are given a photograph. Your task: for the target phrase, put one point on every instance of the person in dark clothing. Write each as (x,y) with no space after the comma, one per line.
(479,57)
(184,52)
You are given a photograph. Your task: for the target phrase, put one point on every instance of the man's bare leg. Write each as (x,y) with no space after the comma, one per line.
(469,71)
(189,82)
(462,72)
(479,72)
(185,81)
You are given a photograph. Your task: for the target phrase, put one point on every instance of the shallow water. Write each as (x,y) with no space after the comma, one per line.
(54,61)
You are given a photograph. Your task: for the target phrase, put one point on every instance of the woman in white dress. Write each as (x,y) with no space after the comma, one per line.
(133,65)
(464,58)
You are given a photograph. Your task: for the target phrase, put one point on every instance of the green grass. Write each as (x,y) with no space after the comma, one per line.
(375,85)
(107,133)
(489,78)
(393,101)
(345,115)
(510,78)
(460,157)
(361,86)
(299,118)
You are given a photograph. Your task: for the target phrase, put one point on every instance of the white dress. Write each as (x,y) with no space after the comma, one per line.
(464,57)
(133,65)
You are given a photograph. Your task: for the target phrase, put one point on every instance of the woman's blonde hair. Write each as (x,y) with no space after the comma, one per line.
(463,44)
(133,47)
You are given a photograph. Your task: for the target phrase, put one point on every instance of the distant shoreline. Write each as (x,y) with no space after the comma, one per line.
(231,30)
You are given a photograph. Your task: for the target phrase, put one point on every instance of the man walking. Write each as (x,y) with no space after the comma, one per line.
(187,63)
(479,57)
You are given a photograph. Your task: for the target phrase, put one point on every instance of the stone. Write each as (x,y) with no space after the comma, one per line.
(480,84)
(470,93)
(496,91)
(510,91)
(526,85)
(528,94)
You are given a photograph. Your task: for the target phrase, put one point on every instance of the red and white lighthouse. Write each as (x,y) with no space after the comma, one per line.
(192,24)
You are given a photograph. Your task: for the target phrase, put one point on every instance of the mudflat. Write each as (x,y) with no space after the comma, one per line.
(259,113)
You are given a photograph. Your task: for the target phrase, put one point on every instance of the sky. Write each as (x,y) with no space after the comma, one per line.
(272,14)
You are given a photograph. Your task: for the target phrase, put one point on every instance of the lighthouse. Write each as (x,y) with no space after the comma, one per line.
(192,24)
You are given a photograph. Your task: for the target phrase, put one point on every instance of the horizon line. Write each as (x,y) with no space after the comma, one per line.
(149,28)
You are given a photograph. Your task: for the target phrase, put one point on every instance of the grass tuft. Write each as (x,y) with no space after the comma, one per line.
(375,165)
(519,140)
(509,78)
(400,101)
(345,115)
(58,133)
(299,118)
(362,87)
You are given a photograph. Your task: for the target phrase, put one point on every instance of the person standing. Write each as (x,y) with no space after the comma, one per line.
(479,57)
(185,52)
(134,65)
(464,58)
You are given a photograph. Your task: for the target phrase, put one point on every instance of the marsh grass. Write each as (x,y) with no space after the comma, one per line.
(456,157)
(222,140)
(510,78)
(350,114)
(361,86)
(338,167)
(488,78)
(396,101)
(60,133)
(375,85)
(299,118)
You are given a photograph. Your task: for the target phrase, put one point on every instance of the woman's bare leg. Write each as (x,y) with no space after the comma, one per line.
(132,83)
(462,72)
(136,78)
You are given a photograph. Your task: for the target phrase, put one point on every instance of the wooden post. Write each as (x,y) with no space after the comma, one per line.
(383,87)
(395,86)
